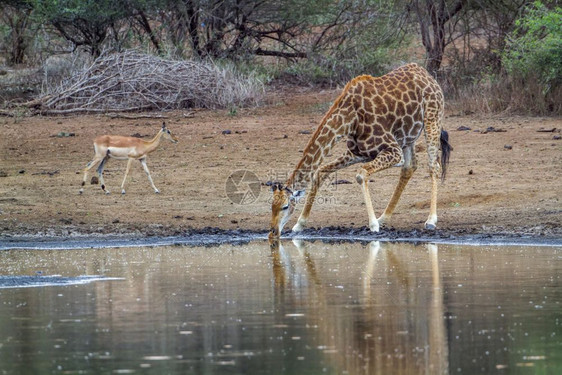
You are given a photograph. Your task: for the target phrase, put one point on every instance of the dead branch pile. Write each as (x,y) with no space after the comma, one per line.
(132,81)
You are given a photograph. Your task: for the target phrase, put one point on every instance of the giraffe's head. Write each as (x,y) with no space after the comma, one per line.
(168,134)
(282,206)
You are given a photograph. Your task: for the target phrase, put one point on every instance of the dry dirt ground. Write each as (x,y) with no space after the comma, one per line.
(503,181)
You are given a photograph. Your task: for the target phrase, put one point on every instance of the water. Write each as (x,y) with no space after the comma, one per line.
(295,308)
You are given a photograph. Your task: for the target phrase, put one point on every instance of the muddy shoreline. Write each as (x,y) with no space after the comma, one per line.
(212,236)
(500,185)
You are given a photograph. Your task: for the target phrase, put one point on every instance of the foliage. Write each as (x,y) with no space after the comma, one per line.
(534,48)
(85,23)
(468,44)
(15,29)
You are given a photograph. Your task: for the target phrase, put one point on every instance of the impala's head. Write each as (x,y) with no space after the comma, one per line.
(168,134)
(282,206)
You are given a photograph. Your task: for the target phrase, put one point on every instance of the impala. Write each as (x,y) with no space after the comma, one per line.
(124,148)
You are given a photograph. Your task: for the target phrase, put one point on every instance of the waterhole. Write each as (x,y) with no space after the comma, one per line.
(294,307)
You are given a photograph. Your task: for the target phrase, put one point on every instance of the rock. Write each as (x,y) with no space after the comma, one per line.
(225,132)
(65,134)
(557,137)
(508,147)
(21,171)
(341,182)
(305,132)
(491,129)
(461,128)
(3,174)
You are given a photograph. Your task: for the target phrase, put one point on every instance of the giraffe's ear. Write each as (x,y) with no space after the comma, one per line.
(297,194)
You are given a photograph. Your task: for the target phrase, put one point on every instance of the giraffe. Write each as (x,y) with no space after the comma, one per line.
(381,118)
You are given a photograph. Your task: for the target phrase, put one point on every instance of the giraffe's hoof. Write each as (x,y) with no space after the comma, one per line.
(383,220)
(430,226)
(298,228)
(359,178)
(81,191)
(123,192)
(156,191)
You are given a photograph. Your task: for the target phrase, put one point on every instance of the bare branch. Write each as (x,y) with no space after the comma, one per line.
(132,81)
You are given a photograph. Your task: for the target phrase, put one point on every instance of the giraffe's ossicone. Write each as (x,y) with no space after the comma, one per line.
(381,118)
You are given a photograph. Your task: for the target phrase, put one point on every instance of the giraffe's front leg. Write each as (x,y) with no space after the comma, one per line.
(408,169)
(343,161)
(386,159)
(363,180)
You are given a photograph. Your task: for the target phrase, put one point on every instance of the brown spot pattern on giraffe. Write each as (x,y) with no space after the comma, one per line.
(379,112)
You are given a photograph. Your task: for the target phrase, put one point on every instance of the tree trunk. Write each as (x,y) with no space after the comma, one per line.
(433,17)
(193,27)
(143,21)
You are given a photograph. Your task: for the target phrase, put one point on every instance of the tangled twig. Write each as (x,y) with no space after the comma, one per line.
(132,81)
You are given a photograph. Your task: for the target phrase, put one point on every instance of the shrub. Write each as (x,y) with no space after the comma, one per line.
(131,81)
(533,54)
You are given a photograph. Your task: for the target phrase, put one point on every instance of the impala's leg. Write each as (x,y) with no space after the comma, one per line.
(143,162)
(100,173)
(390,156)
(432,137)
(89,166)
(408,169)
(320,176)
(129,162)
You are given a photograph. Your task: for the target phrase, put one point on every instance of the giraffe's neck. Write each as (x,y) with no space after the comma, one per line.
(335,125)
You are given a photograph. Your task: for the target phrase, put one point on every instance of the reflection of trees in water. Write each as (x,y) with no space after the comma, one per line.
(398,325)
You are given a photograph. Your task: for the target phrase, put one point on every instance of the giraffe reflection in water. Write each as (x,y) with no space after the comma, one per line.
(398,327)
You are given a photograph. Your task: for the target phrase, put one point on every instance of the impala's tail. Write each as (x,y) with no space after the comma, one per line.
(446,149)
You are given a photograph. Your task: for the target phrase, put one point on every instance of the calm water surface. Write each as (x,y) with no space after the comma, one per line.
(290,308)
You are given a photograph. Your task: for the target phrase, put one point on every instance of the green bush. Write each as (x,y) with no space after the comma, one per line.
(534,48)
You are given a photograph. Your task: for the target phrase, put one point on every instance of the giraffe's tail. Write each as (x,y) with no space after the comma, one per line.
(446,149)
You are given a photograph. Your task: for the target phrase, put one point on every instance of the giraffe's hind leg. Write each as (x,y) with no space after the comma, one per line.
(408,169)
(319,177)
(433,140)
(386,159)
